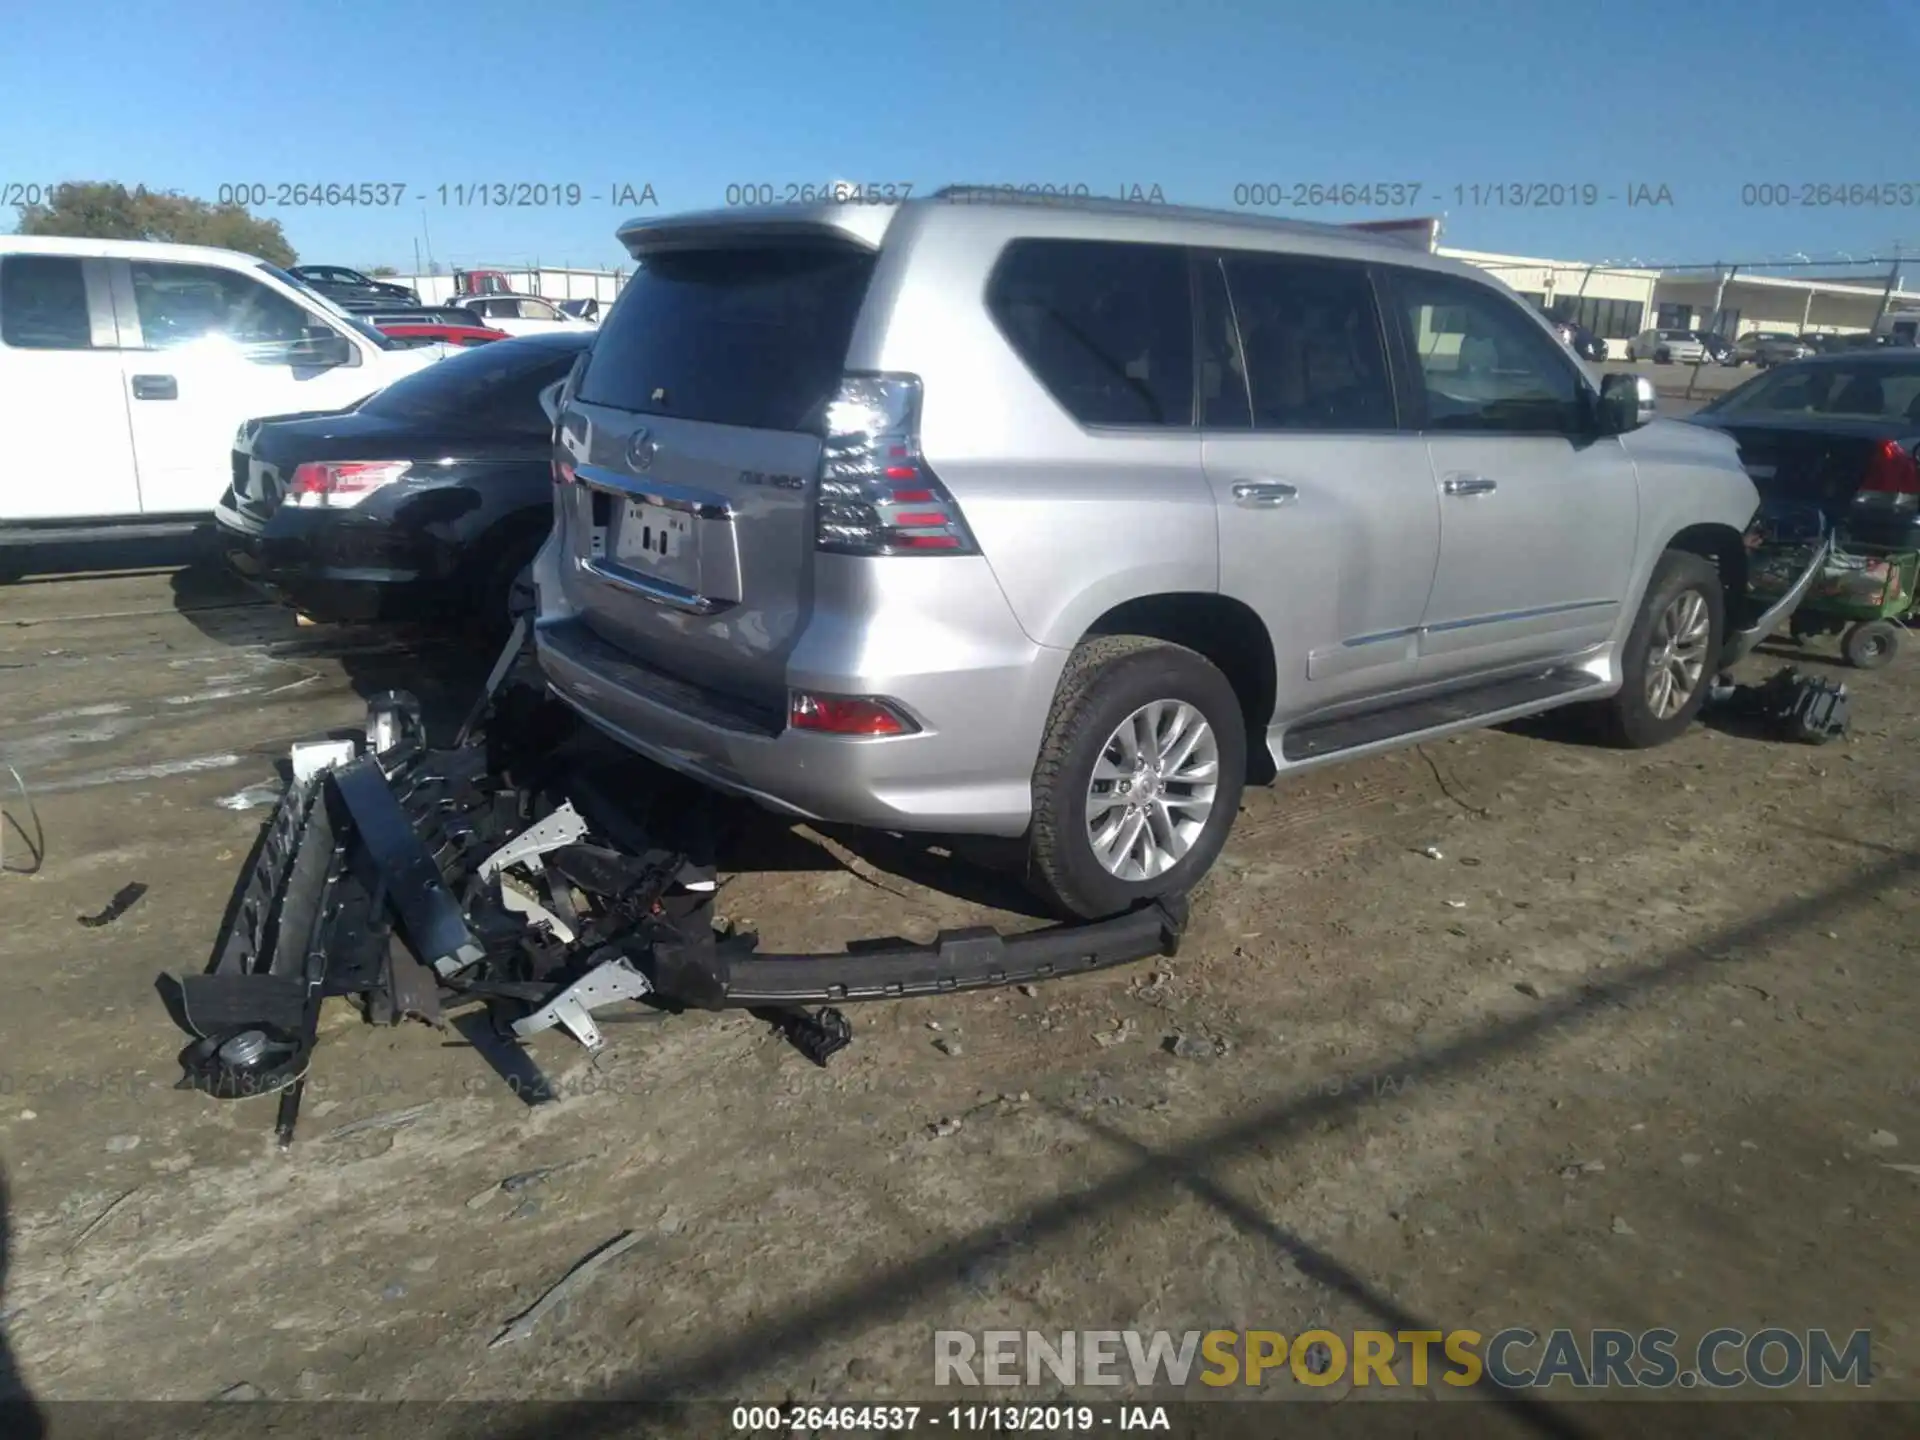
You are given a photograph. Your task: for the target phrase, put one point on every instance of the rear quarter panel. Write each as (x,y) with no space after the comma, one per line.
(1072,521)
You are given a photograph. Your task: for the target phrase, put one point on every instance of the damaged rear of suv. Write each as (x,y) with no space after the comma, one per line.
(1063,520)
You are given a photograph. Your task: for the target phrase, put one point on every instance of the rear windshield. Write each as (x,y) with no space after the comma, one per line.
(1857,392)
(493,388)
(749,337)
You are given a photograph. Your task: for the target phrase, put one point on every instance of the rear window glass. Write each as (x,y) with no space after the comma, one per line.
(494,388)
(751,337)
(1106,326)
(43,303)
(1857,392)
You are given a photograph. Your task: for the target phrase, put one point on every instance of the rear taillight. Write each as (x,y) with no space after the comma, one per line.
(341,484)
(846,715)
(563,472)
(1892,472)
(877,494)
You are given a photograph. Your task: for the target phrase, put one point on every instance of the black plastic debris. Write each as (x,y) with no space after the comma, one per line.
(1789,705)
(124,899)
(533,876)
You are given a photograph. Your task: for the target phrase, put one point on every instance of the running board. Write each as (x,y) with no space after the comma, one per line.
(1456,710)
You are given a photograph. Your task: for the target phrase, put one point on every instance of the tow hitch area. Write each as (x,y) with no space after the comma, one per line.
(502,877)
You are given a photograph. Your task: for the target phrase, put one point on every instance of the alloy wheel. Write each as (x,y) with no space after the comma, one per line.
(1152,790)
(1677,654)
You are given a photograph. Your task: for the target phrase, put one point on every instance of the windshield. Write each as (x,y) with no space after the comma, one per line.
(493,387)
(345,317)
(1851,392)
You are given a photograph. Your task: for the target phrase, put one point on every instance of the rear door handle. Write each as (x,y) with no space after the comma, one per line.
(1264,494)
(1468,485)
(155,387)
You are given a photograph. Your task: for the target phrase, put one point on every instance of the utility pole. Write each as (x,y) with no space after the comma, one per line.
(1720,295)
(1886,295)
(1719,300)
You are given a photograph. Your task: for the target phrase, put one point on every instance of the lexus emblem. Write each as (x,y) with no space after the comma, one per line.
(640,450)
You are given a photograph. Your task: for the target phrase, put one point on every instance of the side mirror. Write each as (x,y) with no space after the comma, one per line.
(319,349)
(1626,403)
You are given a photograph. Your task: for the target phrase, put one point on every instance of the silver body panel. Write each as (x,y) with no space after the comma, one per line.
(1383,566)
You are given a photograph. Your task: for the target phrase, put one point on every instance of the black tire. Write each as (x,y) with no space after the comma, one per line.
(1870,644)
(1108,679)
(1663,357)
(1629,718)
(505,586)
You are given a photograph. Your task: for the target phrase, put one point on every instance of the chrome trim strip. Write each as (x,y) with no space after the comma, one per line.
(1508,615)
(1399,634)
(661,594)
(702,504)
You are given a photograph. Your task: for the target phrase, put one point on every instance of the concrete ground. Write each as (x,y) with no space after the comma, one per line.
(1510,1030)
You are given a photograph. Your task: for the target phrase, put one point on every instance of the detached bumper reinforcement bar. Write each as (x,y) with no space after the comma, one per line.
(728,974)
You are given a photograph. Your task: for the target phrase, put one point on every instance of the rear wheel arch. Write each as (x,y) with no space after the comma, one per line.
(1228,635)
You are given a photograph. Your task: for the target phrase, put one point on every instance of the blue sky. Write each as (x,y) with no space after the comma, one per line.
(1702,97)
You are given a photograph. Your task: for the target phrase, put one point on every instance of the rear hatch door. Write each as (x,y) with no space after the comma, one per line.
(694,435)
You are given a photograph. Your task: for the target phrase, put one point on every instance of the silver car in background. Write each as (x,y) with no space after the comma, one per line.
(1667,347)
(1769,347)
(1064,520)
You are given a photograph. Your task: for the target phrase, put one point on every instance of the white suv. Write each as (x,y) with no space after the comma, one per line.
(151,356)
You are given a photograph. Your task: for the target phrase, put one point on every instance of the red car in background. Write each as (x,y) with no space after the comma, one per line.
(412,333)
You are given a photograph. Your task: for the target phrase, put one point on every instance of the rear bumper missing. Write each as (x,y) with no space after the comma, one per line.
(959,779)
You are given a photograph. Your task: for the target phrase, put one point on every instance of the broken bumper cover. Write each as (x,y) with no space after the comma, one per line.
(416,881)
(1740,643)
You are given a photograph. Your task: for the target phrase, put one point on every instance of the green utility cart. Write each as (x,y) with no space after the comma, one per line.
(1864,594)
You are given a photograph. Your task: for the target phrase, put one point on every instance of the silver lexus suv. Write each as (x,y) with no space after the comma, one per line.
(1064,520)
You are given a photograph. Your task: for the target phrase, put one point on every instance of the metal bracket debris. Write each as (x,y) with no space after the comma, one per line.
(562,827)
(608,983)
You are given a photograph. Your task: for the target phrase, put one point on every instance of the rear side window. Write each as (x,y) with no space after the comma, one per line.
(1107,327)
(1859,392)
(1310,334)
(43,303)
(751,337)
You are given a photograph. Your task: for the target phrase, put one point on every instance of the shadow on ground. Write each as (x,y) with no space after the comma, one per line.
(729,1364)
(20,1416)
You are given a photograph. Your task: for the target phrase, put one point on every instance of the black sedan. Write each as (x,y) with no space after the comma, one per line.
(1838,431)
(352,289)
(424,501)
(1719,349)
